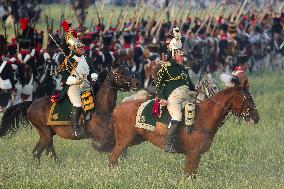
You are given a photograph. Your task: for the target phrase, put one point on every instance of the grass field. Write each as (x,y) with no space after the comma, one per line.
(241,156)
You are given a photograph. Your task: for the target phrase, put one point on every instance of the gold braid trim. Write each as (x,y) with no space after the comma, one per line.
(66,65)
(50,122)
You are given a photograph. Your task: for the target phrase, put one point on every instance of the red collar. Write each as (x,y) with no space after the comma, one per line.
(126,45)
(25,52)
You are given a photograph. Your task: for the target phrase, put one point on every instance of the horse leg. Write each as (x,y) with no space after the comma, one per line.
(120,147)
(50,151)
(192,162)
(37,151)
(138,139)
(44,140)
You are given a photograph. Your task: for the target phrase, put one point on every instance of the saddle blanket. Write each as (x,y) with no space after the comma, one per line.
(60,112)
(146,120)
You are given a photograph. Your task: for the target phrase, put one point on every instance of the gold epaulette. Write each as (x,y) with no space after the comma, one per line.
(166,64)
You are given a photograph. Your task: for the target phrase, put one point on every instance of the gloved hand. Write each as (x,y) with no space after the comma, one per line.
(94,76)
(73,80)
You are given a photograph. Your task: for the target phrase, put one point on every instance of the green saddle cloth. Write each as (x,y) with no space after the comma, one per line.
(146,120)
(60,112)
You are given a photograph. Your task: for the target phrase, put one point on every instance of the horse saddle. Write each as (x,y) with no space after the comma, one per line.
(150,114)
(60,109)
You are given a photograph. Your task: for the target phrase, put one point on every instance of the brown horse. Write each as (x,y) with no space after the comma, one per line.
(37,113)
(210,116)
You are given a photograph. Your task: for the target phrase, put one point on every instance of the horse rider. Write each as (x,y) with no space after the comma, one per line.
(174,88)
(75,71)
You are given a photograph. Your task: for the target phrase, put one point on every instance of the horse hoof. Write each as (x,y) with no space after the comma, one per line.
(123,154)
(97,145)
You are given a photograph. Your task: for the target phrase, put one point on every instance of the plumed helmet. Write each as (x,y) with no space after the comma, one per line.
(175,45)
(71,37)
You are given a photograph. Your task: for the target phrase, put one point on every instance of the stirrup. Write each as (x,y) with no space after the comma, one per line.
(76,132)
(189,129)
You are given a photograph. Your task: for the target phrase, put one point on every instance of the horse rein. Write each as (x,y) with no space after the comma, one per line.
(117,77)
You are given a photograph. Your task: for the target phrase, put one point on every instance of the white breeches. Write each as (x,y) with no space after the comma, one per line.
(74,94)
(178,99)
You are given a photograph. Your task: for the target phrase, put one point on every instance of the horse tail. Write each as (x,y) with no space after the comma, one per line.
(108,142)
(14,118)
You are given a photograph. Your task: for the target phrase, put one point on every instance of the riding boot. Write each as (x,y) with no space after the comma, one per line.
(170,136)
(75,116)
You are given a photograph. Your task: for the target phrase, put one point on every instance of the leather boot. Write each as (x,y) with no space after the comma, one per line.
(170,136)
(75,116)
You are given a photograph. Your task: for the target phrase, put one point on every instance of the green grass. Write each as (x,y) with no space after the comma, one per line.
(241,156)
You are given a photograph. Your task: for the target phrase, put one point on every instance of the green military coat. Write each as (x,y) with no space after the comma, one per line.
(171,76)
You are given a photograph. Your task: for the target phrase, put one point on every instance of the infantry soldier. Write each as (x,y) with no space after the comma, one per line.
(75,70)
(174,88)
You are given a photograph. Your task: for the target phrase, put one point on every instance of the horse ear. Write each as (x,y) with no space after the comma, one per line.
(245,84)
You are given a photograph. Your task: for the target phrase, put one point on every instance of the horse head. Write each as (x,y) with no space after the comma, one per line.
(243,104)
(122,78)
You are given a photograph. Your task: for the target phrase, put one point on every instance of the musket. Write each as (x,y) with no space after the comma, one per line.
(234,13)
(123,21)
(33,23)
(61,20)
(140,15)
(5,31)
(185,17)
(118,20)
(101,11)
(109,20)
(159,28)
(51,27)
(157,25)
(98,14)
(16,35)
(237,21)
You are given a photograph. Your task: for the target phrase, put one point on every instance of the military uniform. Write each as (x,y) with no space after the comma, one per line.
(75,71)
(174,85)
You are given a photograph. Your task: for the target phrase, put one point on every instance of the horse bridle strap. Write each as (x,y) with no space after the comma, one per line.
(116,80)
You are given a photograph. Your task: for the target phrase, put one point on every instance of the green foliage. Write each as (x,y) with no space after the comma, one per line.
(242,156)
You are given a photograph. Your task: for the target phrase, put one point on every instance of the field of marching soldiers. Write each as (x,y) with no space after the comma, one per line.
(220,40)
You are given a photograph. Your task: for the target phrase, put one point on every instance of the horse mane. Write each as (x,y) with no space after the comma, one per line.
(99,81)
(221,93)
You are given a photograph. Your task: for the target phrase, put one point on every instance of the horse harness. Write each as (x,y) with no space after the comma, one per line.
(239,115)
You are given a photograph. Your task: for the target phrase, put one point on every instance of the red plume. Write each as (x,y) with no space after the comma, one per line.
(24,23)
(65,26)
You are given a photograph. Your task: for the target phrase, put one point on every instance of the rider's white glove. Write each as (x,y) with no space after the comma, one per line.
(94,76)
(72,80)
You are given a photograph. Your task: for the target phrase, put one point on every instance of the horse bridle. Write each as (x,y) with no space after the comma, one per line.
(240,114)
(116,79)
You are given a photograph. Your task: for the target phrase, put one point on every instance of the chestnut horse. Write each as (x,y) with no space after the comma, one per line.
(37,113)
(210,116)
